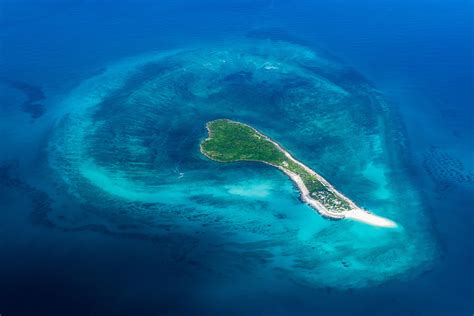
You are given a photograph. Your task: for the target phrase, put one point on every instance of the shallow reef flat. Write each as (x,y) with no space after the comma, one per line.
(126,151)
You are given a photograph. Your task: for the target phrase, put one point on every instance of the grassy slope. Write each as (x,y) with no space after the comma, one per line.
(232,141)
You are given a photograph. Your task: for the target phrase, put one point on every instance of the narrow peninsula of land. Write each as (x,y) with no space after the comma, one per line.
(231,141)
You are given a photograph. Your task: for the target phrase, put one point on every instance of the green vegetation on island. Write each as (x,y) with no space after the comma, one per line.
(231,141)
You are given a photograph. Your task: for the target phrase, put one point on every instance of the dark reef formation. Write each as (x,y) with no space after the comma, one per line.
(33,95)
(445,170)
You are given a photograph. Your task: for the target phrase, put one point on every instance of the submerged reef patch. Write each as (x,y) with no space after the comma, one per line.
(33,95)
(445,170)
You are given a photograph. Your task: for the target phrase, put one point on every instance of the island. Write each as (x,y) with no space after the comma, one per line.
(230,141)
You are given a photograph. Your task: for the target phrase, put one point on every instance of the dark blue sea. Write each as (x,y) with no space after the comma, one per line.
(107,206)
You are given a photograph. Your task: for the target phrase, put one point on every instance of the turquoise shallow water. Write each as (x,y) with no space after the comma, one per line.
(125,153)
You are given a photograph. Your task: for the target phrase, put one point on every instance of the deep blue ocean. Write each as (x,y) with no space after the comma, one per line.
(107,206)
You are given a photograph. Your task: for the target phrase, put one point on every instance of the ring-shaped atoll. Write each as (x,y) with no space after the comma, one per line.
(127,150)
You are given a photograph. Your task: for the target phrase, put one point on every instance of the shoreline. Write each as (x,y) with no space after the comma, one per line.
(355,213)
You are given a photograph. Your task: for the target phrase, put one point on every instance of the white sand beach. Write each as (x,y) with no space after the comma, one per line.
(356,213)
